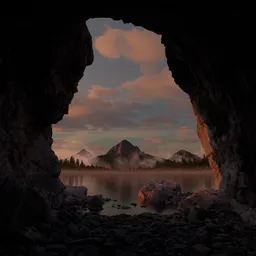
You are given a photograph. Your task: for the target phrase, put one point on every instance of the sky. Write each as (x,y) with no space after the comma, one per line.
(127,93)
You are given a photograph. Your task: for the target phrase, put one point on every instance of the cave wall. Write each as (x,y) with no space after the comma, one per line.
(202,132)
(211,55)
(40,65)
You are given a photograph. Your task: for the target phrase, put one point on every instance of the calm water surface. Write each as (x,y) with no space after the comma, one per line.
(123,186)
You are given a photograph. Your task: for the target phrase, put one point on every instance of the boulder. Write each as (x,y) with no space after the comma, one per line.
(203,204)
(95,203)
(159,192)
(72,193)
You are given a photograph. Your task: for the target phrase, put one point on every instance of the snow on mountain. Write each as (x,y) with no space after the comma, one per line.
(185,156)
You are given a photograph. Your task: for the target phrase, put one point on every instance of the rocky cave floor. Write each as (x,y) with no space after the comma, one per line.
(74,232)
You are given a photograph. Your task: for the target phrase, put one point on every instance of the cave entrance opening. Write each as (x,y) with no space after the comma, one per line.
(129,104)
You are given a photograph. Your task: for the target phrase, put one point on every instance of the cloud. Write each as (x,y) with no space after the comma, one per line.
(150,141)
(159,85)
(187,135)
(101,115)
(139,46)
(97,92)
(154,121)
(77,111)
(66,147)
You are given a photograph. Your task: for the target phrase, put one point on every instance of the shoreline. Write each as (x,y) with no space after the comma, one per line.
(164,170)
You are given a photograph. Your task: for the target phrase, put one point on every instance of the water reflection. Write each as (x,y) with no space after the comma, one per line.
(124,186)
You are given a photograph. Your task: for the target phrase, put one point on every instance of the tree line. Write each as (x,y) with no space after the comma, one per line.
(73,163)
(203,163)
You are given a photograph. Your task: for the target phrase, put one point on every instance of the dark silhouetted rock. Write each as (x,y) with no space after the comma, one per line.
(95,203)
(72,193)
(20,203)
(158,192)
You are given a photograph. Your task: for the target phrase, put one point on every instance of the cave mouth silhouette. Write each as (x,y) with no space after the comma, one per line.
(89,94)
(42,61)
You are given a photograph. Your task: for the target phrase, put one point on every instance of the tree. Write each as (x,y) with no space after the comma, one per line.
(66,163)
(77,163)
(82,165)
(72,162)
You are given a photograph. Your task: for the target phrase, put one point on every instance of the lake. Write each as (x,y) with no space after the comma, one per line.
(122,187)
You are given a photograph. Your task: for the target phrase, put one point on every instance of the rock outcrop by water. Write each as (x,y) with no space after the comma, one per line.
(160,193)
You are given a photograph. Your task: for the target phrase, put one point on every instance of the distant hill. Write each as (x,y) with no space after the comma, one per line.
(85,156)
(185,156)
(184,159)
(126,155)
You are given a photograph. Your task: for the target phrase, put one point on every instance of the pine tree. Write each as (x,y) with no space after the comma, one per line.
(72,162)
(82,165)
(77,163)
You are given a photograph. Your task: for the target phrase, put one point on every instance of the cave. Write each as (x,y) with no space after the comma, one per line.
(211,57)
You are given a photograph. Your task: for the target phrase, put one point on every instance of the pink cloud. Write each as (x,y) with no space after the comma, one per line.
(159,85)
(140,46)
(98,91)
(78,111)
(56,128)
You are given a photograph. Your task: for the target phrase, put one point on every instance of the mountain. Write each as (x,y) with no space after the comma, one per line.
(185,156)
(125,155)
(123,149)
(84,156)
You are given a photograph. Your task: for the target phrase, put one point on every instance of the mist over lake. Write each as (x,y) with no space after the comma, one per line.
(123,186)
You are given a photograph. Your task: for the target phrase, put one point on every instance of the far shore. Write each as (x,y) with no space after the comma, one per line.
(184,170)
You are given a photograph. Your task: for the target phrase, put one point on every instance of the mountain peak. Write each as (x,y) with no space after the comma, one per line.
(83,152)
(184,155)
(183,152)
(125,142)
(123,148)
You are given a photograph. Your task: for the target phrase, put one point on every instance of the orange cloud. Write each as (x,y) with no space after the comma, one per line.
(153,86)
(78,111)
(98,91)
(59,130)
(140,46)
